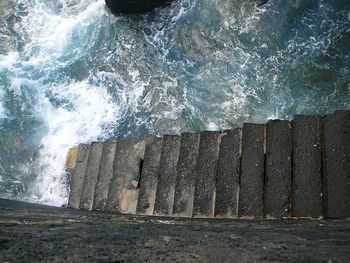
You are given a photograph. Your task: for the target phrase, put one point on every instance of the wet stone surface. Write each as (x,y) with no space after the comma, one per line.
(9,25)
(37,233)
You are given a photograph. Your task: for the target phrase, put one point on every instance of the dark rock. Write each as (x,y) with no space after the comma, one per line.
(134,6)
(33,233)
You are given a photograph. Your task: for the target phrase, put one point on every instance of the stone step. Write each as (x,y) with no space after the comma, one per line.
(124,187)
(205,174)
(336,165)
(105,176)
(297,169)
(307,167)
(149,178)
(227,182)
(252,173)
(78,176)
(91,175)
(185,175)
(167,175)
(278,169)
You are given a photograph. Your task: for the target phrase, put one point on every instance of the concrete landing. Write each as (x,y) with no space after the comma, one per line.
(32,233)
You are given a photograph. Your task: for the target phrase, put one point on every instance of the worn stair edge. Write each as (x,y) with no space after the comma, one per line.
(123,190)
(206,170)
(78,176)
(252,171)
(185,175)
(307,167)
(278,169)
(229,166)
(149,178)
(336,165)
(167,175)
(71,159)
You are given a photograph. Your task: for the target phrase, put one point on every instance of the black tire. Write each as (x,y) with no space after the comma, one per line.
(134,6)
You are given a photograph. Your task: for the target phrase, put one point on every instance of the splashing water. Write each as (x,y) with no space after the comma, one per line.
(77,73)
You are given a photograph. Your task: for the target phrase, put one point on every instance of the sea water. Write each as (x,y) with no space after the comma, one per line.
(77,73)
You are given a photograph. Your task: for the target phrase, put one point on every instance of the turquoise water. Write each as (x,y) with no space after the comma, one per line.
(79,73)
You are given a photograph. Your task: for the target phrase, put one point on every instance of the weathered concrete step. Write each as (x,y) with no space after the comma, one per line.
(336,165)
(105,176)
(91,175)
(78,176)
(124,187)
(167,175)
(252,175)
(185,175)
(307,167)
(206,170)
(227,182)
(278,170)
(149,178)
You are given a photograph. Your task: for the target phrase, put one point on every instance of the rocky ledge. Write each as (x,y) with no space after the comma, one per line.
(30,233)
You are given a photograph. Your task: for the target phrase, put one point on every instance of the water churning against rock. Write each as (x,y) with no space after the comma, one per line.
(71,72)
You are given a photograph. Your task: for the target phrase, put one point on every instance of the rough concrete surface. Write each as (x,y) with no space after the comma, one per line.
(307,167)
(227,181)
(91,176)
(123,191)
(30,233)
(77,181)
(105,176)
(167,175)
(149,178)
(206,169)
(185,174)
(278,168)
(336,164)
(252,175)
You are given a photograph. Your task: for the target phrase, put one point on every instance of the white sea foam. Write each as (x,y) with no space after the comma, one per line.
(72,111)
(56,36)
(7,61)
(2,108)
(87,114)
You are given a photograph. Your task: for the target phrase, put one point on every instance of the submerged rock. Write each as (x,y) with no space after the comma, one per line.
(7,10)
(134,6)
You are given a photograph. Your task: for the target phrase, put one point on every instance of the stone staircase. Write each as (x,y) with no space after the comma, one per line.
(297,169)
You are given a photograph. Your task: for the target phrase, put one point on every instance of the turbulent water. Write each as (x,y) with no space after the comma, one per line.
(75,73)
